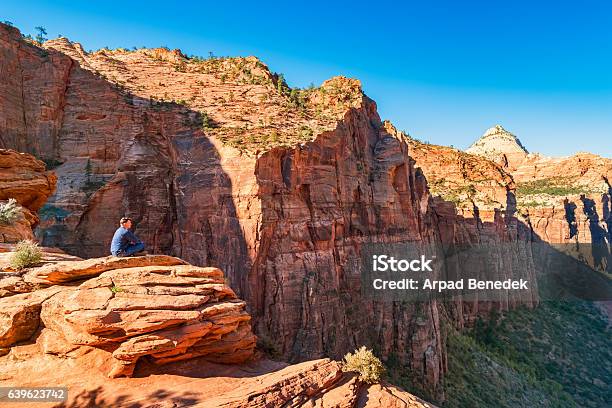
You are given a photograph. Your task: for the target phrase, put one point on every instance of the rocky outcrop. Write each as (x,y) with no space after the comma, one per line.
(19,228)
(69,271)
(166,313)
(153,307)
(464,179)
(319,383)
(162,311)
(20,315)
(197,383)
(564,200)
(23,178)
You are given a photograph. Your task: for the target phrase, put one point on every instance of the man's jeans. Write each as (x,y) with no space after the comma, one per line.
(131,249)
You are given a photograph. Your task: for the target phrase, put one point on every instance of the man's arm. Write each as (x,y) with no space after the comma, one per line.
(133,239)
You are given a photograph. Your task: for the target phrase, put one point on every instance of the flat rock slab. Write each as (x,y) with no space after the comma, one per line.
(61,272)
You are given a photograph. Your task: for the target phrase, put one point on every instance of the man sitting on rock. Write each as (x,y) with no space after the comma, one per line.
(124,242)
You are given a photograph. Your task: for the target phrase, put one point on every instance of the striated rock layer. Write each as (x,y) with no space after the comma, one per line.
(153,307)
(566,201)
(158,310)
(197,383)
(23,178)
(286,214)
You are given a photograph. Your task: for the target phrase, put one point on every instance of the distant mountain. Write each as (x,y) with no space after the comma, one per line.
(499,145)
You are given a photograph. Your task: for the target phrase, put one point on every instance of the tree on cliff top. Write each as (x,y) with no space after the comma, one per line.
(41,37)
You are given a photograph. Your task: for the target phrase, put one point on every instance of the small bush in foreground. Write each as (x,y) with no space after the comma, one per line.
(363,361)
(9,211)
(26,253)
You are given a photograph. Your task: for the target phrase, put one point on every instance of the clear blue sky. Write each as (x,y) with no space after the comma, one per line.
(442,70)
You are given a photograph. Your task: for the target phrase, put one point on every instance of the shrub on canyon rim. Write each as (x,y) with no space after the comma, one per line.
(364,362)
(26,253)
(9,211)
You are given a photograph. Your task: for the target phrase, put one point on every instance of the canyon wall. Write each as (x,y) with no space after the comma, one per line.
(228,169)
(565,200)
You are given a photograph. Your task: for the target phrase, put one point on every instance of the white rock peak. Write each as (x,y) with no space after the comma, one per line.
(497,140)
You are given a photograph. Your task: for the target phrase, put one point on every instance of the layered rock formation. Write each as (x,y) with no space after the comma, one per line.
(23,178)
(220,163)
(564,199)
(156,310)
(197,383)
(153,307)
(464,179)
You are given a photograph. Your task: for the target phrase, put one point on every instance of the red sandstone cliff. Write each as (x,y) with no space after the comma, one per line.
(221,164)
(565,200)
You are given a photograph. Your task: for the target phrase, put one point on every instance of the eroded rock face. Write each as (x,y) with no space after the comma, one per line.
(319,383)
(467,180)
(166,312)
(156,307)
(566,201)
(285,215)
(169,313)
(23,178)
(20,315)
(20,228)
(60,272)
(198,383)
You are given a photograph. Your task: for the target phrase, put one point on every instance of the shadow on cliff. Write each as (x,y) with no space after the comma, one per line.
(119,154)
(600,230)
(572,270)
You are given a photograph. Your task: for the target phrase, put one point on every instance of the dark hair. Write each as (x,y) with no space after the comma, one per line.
(123,220)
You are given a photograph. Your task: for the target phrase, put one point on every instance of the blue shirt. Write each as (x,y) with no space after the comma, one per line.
(122,238)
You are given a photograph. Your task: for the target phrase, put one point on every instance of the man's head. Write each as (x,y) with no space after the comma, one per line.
(126,222)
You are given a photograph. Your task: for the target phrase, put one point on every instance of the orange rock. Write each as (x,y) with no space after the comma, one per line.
(23,178)
(164,312)
(281,192)
(71,271)
(20,315)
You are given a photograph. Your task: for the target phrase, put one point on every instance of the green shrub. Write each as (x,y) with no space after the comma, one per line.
(206,121)
(364,362)
(9,212)
(555,186)
(26,253)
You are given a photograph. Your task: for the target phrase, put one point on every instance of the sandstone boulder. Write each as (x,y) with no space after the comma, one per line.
(23,178)
(20,315)
(20,228)
(163,312)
